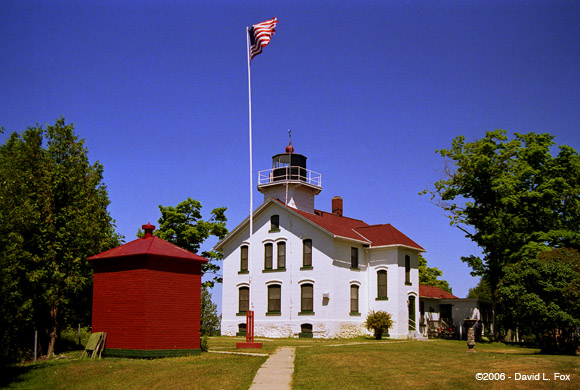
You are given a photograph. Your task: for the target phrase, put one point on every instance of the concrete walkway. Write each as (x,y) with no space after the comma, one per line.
(276,372)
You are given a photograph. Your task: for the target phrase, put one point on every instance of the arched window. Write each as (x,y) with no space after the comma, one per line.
(274,299)
(307,298)
(268,249)
(382,285)
(407,270)
(244,300)
(307,253)
(412,324)
(354,299)
(244,258)
(281,253)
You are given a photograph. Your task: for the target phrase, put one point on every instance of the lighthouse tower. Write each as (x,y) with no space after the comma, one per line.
(290,181)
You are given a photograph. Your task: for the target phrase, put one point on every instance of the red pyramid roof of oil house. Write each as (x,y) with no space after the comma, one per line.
(147,298)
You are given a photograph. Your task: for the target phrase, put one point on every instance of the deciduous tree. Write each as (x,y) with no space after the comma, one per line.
(53,208)
(511,197)
(183,226)
(429,276)
(541,297)
(210,320)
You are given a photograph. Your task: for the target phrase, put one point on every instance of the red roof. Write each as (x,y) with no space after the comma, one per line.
(434,292)
(339,226)
(375,235)
(381,235)
(149,246)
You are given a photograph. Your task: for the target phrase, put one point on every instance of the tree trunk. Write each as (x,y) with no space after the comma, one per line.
(53,329)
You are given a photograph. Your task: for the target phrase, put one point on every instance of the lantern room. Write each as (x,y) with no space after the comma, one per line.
(290,181)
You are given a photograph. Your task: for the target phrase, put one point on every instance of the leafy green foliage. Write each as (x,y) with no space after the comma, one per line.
(511,197)
(429,276)
(541,297)
(183,226)
(481,291)
(53,208)
(379,322)
(210,320)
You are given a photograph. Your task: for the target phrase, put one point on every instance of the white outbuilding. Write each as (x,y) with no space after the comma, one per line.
(311,273)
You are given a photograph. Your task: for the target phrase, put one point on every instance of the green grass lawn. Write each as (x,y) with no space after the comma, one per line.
(433,364)
(320,364)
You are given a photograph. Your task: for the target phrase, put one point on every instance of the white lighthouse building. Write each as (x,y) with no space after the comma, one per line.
(311,273)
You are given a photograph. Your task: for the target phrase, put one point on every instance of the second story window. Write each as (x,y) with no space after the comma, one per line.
(244,258)
(281,255)
(354,257)
(307,253)
(268,249)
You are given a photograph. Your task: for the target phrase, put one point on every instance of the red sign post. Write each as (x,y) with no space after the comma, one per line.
(249,333)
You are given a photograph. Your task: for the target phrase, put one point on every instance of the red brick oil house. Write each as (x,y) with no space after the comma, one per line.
(147,298)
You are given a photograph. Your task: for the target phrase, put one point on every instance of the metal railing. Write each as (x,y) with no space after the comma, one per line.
(289,173)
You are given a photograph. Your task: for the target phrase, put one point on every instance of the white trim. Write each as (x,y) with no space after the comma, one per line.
(274,283)
(397,246)
(306,281)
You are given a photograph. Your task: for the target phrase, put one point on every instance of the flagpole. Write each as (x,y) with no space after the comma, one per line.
(251,174)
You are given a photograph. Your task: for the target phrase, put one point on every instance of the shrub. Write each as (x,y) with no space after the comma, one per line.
(379,322)
(203,345)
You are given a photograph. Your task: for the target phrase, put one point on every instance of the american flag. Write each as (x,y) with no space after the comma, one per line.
(260,35)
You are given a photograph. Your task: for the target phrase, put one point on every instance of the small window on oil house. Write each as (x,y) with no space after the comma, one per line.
(268,249)
(307,253)
(244,258)
(281,252)
(275,223)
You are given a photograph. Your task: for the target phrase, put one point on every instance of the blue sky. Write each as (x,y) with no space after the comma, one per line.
(370,89)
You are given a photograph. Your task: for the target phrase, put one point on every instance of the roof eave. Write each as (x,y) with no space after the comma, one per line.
(235,231)
(418,249)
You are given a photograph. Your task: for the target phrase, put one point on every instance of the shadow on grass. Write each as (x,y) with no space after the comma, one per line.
(13,374)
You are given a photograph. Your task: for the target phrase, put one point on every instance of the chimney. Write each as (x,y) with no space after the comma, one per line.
(337,206)
(148,230)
